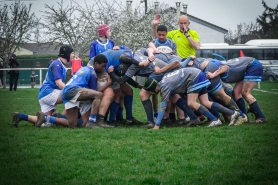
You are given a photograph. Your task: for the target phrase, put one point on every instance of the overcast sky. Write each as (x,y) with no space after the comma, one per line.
(224,13)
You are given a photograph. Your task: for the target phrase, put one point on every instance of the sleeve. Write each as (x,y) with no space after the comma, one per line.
(194,35)
(57,71)
(118,79)
(17,63)
(161,111)
(185,62)
(92,51)
(93,82)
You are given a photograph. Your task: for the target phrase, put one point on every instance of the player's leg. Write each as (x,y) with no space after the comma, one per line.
(147,104)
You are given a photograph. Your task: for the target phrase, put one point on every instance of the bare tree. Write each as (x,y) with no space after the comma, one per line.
(77,25)
(16,23)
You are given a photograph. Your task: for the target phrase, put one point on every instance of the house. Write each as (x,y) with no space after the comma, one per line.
(208,32)
(37,48)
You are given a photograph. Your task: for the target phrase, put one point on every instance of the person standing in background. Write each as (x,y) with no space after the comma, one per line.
(33,79)
(76,63)
(14,74)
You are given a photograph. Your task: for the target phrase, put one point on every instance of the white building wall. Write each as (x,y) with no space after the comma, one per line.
(207,34)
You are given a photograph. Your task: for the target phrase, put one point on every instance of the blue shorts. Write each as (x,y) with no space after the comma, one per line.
(199,82)
(215,85)
(254,72)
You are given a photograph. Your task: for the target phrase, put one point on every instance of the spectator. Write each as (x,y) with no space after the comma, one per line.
(14,74)
(33,79)
(76,63)
(51,60)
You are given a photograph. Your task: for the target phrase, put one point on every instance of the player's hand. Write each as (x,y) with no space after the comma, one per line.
(193,57)
(157,70)
(156,19)
(144,63)
(155,127)
(190,63)
(156,51)
(110,69)
(210,75)
(151,58)
(116,48)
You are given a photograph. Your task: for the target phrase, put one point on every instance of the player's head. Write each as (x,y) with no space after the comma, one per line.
(183,21)
(99,62)
(13,56)
(151,85)
(66,52)
(161,33)
(104,31)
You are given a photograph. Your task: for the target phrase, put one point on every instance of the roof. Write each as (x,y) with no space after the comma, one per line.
(200,21)
(41,48)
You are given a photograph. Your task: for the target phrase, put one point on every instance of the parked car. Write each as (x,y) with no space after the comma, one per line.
(270,73)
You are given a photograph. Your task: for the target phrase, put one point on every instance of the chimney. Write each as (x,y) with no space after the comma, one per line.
(185,8)
(128,6)
(156,4)
(178,6)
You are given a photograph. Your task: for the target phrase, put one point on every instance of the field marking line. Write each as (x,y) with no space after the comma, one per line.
(265,91)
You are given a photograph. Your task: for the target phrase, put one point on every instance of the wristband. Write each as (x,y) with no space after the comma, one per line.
(187,36)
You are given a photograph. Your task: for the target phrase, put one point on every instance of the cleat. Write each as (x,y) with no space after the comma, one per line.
(40,119)
(166,121)
(215,123)
(193,123)
(102,124)
(184,121)
(202,118)
(241,120)
(16,119)
(234,117)
(134,121)
(149,125)
(92,125)
(261,120)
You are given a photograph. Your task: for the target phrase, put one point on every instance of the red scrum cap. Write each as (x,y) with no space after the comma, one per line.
(102,29)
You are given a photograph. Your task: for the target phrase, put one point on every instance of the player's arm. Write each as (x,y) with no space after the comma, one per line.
(172,65)
(184,63)
(92,51)
(220,70)
(161,111)
(155,22)
(60,83)
(129,60)
(108,84)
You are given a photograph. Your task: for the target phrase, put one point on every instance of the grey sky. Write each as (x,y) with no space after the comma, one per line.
(224,13)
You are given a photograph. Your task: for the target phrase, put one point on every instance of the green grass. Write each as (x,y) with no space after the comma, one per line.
(245,154)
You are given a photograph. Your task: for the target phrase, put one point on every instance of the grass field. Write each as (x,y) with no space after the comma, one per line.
(244,154)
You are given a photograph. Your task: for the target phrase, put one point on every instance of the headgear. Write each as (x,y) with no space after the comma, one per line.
(65,52)
(102,29)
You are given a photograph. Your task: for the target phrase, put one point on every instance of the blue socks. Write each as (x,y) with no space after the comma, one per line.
(182,104)
(119,115)
(255,108)
(204,111)
(22,116)
(220,108)
(92,118)
(128,100)
(241,105)
(113,111)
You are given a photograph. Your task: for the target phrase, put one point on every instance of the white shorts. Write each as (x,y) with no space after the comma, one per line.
(84,106)
(48,102)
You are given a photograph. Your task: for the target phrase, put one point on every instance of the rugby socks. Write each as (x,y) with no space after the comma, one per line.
(93,118)
(79,123)
(204,111)
(255,108)
(241,105)
(49,119)
(215,113)
(182,104)
(128,100)
(232,105)
(119,115)
(147,104)
(22,116)
(113,111)
(220,108)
